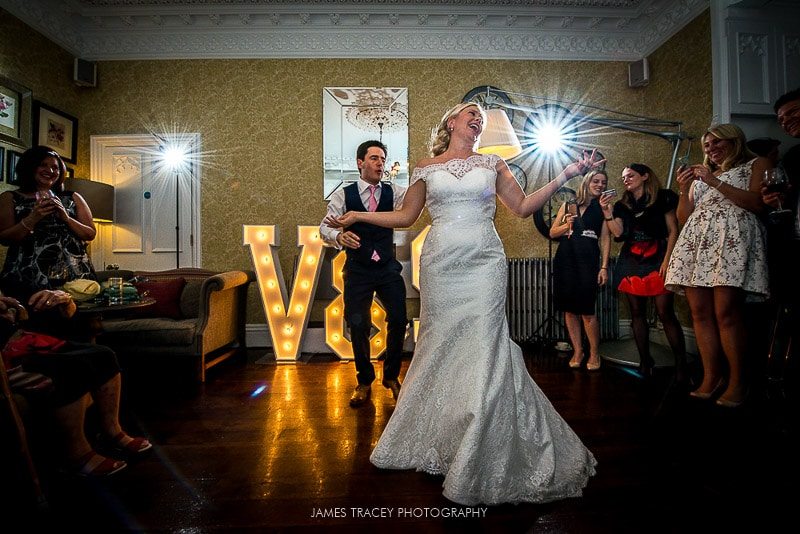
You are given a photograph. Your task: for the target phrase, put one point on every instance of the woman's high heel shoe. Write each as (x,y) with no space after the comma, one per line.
(575,364)
(590,366)
(703,395)
(646,366)
(725,403)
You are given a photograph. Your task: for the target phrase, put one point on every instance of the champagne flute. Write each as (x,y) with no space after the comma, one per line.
(776,181)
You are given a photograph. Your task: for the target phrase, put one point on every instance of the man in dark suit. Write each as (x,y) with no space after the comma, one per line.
(370,268)
(784,238)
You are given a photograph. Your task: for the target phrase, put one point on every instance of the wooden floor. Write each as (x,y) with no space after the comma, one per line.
(268,447)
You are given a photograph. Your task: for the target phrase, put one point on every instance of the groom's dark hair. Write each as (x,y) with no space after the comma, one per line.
(361,153)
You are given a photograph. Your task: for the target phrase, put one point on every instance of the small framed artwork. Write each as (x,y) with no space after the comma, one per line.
(56,129)
(15,113)
(12,157)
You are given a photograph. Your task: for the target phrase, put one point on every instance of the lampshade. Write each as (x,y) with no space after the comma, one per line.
(99,197)
(498,136)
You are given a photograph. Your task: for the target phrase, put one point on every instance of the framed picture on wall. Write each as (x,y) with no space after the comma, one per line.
(15,113)
(12,157)
(56,129)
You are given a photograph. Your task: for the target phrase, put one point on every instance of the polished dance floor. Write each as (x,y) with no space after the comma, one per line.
(267,447)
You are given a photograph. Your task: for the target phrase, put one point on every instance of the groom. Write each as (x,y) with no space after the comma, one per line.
(370,268)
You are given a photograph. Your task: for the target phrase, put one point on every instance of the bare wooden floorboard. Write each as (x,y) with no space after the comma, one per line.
(229,457)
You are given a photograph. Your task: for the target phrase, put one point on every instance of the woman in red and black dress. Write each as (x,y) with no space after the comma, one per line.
(644,221)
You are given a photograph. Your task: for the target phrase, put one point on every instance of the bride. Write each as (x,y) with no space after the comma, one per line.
(468,409)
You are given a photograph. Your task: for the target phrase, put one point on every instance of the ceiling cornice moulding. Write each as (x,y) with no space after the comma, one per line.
(621,30)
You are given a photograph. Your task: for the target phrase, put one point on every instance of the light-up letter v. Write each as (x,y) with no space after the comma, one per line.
(287,323)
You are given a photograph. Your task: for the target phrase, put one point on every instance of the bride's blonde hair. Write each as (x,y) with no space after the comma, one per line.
(440,136)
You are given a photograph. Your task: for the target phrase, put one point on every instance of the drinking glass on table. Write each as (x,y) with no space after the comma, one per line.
(115,290)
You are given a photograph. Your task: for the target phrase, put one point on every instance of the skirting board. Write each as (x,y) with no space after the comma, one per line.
(257,336)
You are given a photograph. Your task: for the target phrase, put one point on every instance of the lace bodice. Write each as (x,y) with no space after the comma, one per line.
(460,190)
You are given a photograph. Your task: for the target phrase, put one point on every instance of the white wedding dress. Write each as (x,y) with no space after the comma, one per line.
(468,408)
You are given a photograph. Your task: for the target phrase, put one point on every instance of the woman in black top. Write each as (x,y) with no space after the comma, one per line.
(644,221)
(578,269)
(44,227)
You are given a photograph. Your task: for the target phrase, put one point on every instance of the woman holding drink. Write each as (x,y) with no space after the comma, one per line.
(44,227)
(719,261)
(581,265)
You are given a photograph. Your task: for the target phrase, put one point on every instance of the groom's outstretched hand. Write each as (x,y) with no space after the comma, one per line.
(348,240)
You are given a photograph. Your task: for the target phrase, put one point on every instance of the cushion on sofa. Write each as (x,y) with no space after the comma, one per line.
(150,332)
(167,294)
(190,298)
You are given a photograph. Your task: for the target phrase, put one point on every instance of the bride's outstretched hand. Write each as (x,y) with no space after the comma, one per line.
(342,221)
(585,163)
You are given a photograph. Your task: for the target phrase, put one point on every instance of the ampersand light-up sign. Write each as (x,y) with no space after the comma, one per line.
(287,322)
(416,252)
(334,318)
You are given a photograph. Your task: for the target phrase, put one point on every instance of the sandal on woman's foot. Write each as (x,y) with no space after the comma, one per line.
(575,363)
(594,365)
(92,464)
(124,443)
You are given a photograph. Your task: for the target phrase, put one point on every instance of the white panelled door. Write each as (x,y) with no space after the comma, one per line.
(143,235)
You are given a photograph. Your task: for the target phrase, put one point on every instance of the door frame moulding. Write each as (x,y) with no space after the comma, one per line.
(98,143)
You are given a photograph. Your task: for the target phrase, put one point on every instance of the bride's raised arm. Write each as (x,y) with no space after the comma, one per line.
(407,215)
(510,193)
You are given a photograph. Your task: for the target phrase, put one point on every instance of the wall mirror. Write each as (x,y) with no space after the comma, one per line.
(352,115)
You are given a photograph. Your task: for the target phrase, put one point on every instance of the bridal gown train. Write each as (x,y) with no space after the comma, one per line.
(468,408)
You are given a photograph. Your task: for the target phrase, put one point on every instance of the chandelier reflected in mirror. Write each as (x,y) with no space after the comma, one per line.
(352,115)
(374,109)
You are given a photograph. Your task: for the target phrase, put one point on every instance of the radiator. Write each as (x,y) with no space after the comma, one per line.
(529,300)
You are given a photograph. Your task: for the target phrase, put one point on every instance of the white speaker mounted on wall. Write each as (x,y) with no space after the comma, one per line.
(638,73)
(84,73)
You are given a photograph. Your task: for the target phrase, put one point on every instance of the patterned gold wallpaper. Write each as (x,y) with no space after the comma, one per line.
(261,120)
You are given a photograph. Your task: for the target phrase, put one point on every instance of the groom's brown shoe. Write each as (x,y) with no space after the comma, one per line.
(393,386)
(360,395)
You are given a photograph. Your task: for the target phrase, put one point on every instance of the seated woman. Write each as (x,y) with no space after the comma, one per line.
(578,269)
(44,227)
(80,372)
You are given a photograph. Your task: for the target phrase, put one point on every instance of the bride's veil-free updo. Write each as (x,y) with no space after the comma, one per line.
(440,135)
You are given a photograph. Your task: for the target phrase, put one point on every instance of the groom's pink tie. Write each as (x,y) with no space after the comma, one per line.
(372,206)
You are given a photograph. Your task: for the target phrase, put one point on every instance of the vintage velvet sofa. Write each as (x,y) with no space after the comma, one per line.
(206,321)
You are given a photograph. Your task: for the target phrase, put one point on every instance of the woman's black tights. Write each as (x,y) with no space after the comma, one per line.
(672,330)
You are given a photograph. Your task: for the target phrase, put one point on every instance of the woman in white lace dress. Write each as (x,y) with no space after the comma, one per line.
(468,409)
(719,260)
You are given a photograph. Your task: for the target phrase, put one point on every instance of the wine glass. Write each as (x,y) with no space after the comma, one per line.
(57,274)
(776,181)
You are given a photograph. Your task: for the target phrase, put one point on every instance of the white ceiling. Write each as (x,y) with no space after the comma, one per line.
(500,29)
